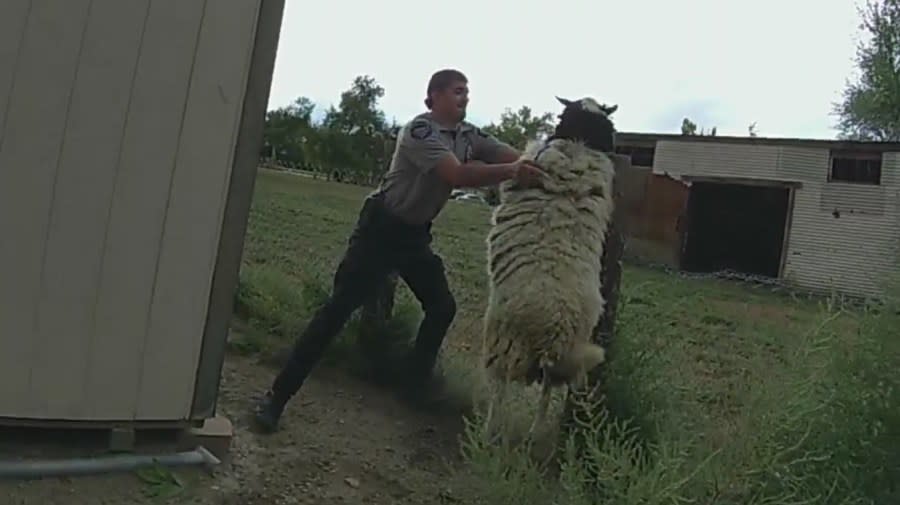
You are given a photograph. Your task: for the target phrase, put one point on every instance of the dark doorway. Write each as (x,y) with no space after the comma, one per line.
(735,227)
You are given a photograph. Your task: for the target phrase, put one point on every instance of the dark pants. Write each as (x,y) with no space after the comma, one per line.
(379,244)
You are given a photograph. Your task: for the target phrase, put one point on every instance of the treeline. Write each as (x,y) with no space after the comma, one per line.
(353,142)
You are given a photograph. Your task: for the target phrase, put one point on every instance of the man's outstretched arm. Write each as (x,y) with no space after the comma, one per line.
(490,149)
(420,144)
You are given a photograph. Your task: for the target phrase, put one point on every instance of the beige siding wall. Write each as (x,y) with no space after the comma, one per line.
(802,164)
(851,253)
(117,126)
(715,160)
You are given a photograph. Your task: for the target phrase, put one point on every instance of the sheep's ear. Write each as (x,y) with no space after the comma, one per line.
(609,109)
(566,103)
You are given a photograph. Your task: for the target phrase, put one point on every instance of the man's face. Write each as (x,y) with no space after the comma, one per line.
(453,100)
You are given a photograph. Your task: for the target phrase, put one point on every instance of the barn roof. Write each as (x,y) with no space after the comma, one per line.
(638,138)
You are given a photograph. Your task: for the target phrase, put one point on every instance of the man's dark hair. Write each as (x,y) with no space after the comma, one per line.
(440,81)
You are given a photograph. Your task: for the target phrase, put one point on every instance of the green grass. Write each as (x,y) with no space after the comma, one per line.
(722,393)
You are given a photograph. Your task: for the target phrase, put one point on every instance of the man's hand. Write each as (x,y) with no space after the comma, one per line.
(528,174)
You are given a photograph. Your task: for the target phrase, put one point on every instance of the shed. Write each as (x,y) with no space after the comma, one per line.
(820,214)
(129,141)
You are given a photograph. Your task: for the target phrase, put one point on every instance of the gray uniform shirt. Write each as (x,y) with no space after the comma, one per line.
(412,189)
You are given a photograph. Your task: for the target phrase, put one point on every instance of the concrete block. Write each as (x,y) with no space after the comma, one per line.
(121,439)
(215,435)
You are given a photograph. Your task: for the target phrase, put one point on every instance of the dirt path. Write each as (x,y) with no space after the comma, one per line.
(342,441)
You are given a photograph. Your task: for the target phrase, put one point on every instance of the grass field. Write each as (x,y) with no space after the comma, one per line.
(723,393)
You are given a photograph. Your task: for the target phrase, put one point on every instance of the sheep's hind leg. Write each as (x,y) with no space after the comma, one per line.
(498,394)
(543,404)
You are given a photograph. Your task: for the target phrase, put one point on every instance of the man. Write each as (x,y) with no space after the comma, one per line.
(436,152)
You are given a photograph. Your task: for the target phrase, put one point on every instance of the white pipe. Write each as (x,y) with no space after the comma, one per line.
(118,463)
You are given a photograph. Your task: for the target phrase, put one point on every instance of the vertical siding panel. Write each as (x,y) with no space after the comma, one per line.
(195,209)
(136,218)
(13,14)
(84,185)
(29,153)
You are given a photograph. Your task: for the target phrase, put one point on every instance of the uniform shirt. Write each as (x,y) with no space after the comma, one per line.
(411,188)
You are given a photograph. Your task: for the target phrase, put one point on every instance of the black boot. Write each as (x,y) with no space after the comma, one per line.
(421,381)
(268,412)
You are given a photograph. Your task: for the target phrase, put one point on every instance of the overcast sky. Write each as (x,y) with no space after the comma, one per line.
(724,63)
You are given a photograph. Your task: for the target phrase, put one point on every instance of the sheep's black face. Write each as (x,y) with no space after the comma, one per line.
(587,121)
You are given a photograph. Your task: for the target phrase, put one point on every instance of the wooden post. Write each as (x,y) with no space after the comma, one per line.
(611,271)
(611,278)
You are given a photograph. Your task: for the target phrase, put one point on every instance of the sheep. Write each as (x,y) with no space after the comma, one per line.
(544,259)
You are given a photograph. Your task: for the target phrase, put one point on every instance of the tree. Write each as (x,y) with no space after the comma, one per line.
(870,109)
(289,133)
(353,142)
(517,128)
(689,127)
(357,132)
(358,108)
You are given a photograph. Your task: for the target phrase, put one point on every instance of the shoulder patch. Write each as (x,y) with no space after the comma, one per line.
(420,129)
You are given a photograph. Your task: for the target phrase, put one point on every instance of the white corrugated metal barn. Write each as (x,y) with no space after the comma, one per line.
(129,141)
(822,215)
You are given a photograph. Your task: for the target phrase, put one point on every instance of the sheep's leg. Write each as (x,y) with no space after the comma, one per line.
(543,404)
(570,392)
(492,399)
(498,394)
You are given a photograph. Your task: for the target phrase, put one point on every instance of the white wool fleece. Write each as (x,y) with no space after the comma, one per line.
(544,260)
